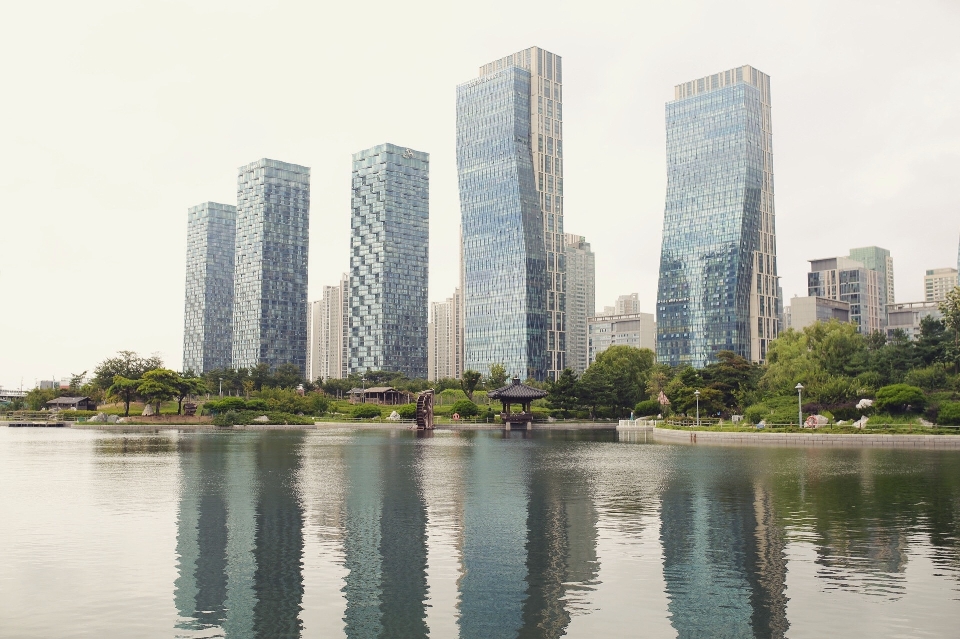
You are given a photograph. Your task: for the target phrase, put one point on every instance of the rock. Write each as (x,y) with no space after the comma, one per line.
(924,422)
(123,420)
(841,422)
(816,421)
(394,416)
(864,403)
(860,423)
(147,410)
(99,417)
(112,419)
(263,419)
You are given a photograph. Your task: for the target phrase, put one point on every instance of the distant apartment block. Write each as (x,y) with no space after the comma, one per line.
(208,304)
(445,339)
(638,330)
(937,283)
(327,324)
(580,298)
(879,260)
(907,317)
(270,285)
(389,251)
(806,311)
(846,280)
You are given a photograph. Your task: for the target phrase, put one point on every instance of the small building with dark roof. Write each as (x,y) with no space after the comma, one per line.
(384,395)
(517,393)
(72,403)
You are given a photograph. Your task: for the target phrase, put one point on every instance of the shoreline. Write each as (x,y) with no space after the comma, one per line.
(805,440)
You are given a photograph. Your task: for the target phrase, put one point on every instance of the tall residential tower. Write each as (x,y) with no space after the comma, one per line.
(581,299)
(389,242)
(270,289)
(208,308)
(718,264)
(510,163)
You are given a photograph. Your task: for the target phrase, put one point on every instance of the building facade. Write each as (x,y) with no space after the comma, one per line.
(504,253)
(937,282)
(907,317)
(627,304)
(208,307)
(270,286)
(325,355)
(806,311)
(718,262)
(634,329)
(879,260)
(580,298)
(846,280)
(389,251)
(445,345)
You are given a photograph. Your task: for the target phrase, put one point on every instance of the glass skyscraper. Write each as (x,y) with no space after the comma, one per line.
(208,307)
(718,285)
(504,253)
(389,255)
(270,289)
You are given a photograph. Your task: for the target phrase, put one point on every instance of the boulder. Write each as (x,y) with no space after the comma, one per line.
(147,410)
(860,423)
(99,417)
(864,403)
(112,419)
(815,421)
(394,416)
(263,419)
(123,420)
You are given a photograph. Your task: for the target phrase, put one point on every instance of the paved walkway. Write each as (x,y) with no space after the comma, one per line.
(814,438)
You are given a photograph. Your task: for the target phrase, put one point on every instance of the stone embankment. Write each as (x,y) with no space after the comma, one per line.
(813,438)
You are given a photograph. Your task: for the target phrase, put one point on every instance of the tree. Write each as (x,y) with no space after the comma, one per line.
(37,398)
(931,345)
(287,376)
(498,376)
(465,408)
(564,392)
(127,364)
(733,376)
(187,385)
(899,398)
(469,383)
(950,307)
(618,377)
(158,385)
(123,389)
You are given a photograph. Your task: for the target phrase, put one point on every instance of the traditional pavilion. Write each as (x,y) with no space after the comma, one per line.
(517,393)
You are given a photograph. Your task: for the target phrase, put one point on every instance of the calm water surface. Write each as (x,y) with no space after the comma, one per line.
(470,534)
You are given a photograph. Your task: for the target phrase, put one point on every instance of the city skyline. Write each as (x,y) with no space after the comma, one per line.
(894,148)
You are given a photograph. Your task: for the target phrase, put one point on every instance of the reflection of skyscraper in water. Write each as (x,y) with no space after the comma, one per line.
(278,581)
(239,536)
(724,566)
(215,537)
(561,547)
(493,585)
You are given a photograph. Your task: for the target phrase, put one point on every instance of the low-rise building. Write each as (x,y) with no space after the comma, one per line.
(907,317)
(72,403)
(806,311)
(630,329)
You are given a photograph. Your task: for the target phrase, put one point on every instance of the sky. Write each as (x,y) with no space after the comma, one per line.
(116,116)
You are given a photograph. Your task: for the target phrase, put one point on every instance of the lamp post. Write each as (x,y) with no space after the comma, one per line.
(363,389)
(221,387)
(799,388)
(697,393)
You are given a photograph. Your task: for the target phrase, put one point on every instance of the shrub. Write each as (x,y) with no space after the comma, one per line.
(899,398)
(775,410)
(317,403)
(949,414)
(929,378)
(407,411)
(466,408)
(257,404)
(225,404)
(366,411)
(231,417)
(647,407)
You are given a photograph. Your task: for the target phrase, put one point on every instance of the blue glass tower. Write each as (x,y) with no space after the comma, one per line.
(208,307)
(389,255)
(504,252)
(718,263)
(270,287)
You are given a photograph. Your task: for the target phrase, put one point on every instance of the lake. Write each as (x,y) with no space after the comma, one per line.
(473,534)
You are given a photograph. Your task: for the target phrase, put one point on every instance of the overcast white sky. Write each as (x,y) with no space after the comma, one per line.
(116,116)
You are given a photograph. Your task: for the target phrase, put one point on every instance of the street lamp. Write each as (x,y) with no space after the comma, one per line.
(363,389)
(221,387)
(799,388)
(697,393)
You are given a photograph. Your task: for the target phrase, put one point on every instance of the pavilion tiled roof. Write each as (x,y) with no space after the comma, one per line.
(517,391)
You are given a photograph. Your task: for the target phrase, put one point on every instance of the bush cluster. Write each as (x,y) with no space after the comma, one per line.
(276,400)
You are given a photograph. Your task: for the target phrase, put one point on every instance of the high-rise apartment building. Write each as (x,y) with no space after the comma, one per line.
(506,275)
(325,354)
(879,260)
(718,263)
(445,346)
(270,287)
(627,304)
(937,282)
(580,297)
(846,280)
(389,242)
(208,308)
(638,330)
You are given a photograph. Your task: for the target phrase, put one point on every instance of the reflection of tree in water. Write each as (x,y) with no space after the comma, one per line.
(136,445)
(860,507)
